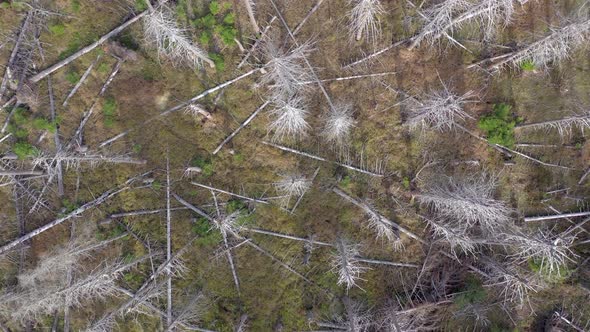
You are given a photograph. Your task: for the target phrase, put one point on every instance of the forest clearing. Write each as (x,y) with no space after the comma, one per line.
(282,165)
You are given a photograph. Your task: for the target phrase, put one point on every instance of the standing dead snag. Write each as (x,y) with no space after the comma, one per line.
(364,19)
(346,264)
(440,110)
(291,186)
(290,119)
(161,29)
(338,124)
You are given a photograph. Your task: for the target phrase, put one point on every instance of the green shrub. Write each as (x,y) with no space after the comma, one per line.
(205,38)
(406,183)
(206,165)
(218,61)
(57,29)
(528,65)
(234,205)
(103,68)
(227,33)
(230,19)
(472,292)
(345,182)
(214,7)
(72,77)
(499,125)
(156,185)
(43,124)
(23,150)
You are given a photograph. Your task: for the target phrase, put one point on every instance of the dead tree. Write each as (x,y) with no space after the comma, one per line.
(355,318)
(440,110)
(244,124)
(250,8)
(467,200)
(450,16)
(161,29)
(563,126)
(81,81)
(338,124)
(346,265)
(364,19)
(553,48)
(289,119)
(168,248)
(99,200)
(515,284)
(190,314)
(291,186)
(553,251)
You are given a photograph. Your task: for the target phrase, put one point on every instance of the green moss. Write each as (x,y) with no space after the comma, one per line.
(57,29)
(110,106)
(499,125)
(75,5)
(156,185)
(72,77)
(140,5)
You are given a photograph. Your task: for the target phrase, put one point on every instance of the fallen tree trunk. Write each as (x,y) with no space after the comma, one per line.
(39,76)
(558,216)
(102,198)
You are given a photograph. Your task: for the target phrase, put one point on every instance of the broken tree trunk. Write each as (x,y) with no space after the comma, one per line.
(308,155)
(82,79)
(250,9)
(58,168)
(168,248)
(87,49)
(230,193)
(102,198)
(558,216)
(15,49)
(244,124)
(180,106)
(382,218)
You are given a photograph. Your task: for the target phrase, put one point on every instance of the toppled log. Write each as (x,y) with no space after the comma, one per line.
(313,10)
(82,79)
(558,216)
(244,124)
(57,141)
(14,52)
(286,236)
(382,218)
(36,78)
(311,156)
(180,106)
(99,200)
(168,248)
(230,193)
(21,173)
(250,9)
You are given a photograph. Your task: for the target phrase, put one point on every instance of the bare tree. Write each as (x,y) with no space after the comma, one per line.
(469,200)
(291,186)
(448,16)
(338,124)
(285,69)
(564,126)
(552,250)
(440,110)
(457,234)
(346,264)
(364,19)
(289,119)
(161,29)
(515,284)
(553,48)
